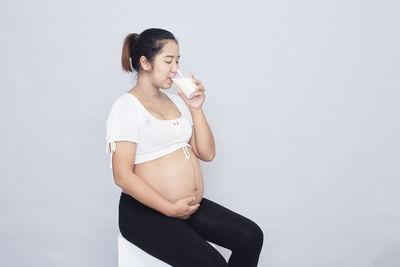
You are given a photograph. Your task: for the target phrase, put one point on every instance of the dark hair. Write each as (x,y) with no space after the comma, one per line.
(147,44)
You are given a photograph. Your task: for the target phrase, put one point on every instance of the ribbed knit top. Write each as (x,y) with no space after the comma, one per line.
(128,120)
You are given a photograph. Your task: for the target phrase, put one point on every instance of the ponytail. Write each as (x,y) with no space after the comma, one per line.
(129,42)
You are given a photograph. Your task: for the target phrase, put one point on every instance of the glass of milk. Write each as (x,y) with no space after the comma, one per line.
(186,85)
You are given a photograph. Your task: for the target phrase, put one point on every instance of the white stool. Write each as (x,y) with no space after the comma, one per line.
(130,255)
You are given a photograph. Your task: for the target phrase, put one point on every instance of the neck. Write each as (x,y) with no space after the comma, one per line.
(145,89)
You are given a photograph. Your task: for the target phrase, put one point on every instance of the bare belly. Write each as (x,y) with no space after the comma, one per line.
(173,175)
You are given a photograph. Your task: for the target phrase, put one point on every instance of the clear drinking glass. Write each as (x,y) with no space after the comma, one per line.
(185,84)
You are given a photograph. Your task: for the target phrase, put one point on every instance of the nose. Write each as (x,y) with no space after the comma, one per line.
(174,69)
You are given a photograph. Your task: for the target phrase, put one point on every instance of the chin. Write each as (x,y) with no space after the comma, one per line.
(166,86)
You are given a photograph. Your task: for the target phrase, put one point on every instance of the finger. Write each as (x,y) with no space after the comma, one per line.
(191,201)
(194,79)
(192,209)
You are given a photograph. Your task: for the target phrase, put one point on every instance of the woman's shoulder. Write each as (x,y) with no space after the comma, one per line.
(124,106)
(125,101)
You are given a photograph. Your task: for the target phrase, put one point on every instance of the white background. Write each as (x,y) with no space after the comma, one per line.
(302,98)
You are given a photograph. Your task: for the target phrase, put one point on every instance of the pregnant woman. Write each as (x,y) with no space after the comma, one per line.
(155,141)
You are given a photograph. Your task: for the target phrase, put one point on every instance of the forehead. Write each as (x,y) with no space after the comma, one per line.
(170,49)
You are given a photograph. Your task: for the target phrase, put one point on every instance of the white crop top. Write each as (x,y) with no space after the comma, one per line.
(128,120)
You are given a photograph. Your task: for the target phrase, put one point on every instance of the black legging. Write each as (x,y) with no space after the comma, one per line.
(182,243)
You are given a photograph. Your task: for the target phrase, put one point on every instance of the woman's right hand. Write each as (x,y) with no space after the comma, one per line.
(183,208)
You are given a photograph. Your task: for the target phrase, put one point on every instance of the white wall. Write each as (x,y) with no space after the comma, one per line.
(302,98)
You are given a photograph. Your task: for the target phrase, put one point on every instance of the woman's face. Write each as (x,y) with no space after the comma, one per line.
(165,65)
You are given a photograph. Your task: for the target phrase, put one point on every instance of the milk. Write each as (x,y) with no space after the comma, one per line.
(186,85)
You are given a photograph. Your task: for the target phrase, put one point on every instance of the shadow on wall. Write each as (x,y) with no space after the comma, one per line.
(390,257)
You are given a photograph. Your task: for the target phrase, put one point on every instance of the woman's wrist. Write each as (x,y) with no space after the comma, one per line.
(194,111)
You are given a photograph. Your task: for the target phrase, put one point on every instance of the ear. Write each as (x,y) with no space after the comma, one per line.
(146,65)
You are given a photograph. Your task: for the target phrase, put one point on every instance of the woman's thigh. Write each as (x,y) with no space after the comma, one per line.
(169,239)
(226,228)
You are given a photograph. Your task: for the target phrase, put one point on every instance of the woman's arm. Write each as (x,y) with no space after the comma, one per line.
(131,184)
(203,137)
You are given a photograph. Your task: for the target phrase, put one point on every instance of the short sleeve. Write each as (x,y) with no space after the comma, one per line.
(122,124)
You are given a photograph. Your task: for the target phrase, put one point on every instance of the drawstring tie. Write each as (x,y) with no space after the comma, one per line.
(112,143)
(179,133)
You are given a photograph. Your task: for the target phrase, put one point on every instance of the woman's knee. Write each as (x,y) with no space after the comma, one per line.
(253,237)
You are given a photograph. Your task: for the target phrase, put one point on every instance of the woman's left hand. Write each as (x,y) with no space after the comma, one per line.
(198,99)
